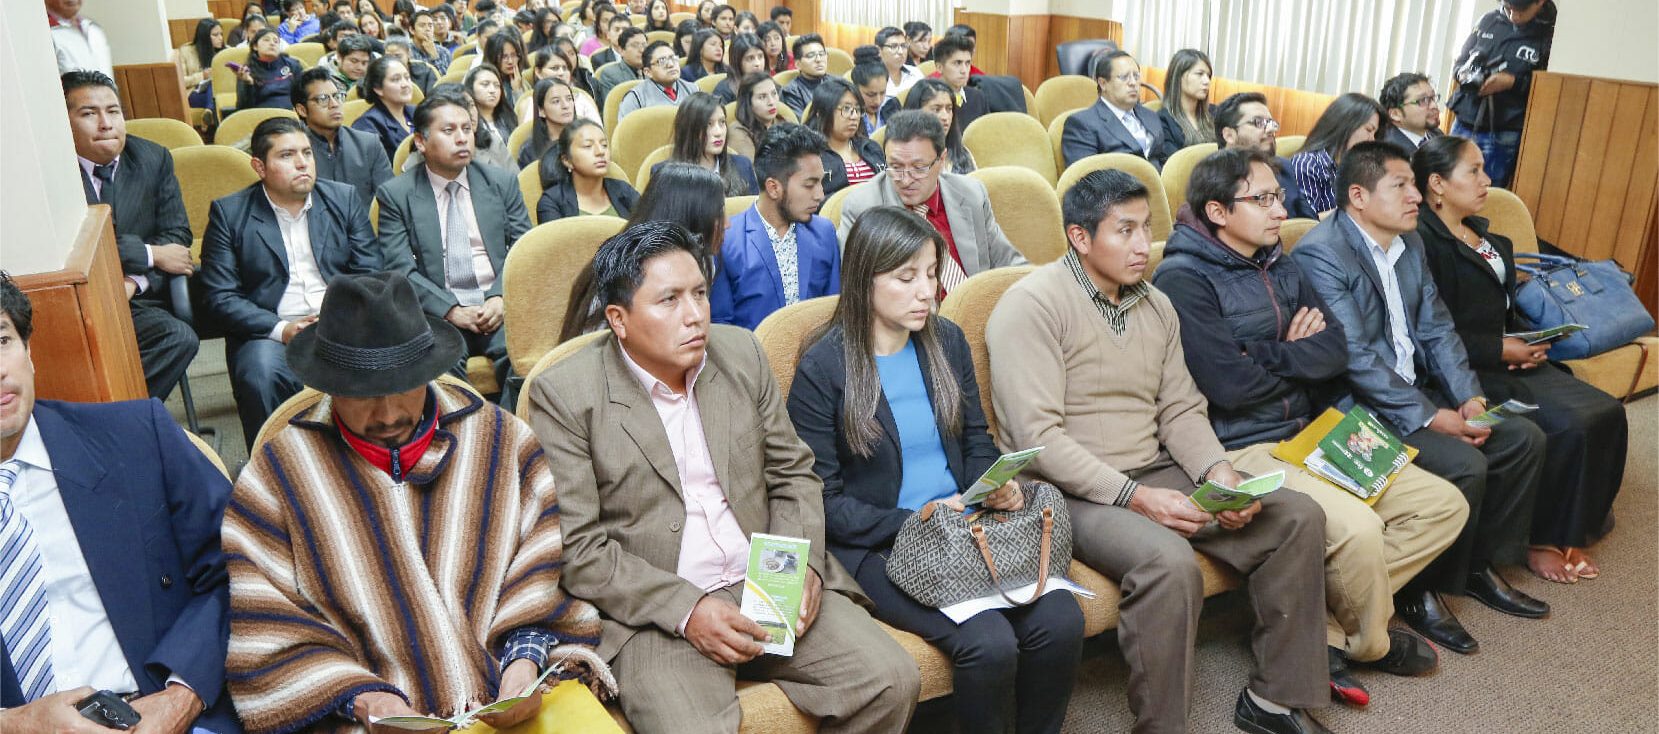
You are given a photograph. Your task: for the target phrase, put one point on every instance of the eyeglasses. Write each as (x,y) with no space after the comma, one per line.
(666,62)
(1267,124)
(815,56)
(895,47)
(1428,102)
(912,172)
(1131,77)
(849,111)
(1265,200)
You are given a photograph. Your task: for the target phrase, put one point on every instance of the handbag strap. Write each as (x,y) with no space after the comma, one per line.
(1636,379)
(1545,257)
(1042,564)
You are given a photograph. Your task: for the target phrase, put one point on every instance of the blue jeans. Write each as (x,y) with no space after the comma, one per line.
(1500,149)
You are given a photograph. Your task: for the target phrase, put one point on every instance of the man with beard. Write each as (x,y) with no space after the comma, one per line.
(1413,111)
(1244,121)
(341,154)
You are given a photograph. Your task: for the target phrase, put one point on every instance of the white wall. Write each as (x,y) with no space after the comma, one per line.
(1616,39)
(137,29)
(186,8)
(42,208)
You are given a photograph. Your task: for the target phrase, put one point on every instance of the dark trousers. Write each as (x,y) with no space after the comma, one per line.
(492,346)
(1036,648)
(1499,479)
(260,380)
(1587,437)
(165,345)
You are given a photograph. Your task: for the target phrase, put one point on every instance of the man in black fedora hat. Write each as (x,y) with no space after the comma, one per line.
(396,546)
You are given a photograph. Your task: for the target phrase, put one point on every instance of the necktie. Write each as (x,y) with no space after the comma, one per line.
(458,267)
(671,92)
(106,179)
(24,623)
(951,273)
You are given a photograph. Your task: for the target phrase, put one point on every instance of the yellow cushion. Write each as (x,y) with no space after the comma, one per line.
(784,332)
(1010,139)
(1061,93)
(538,276)
(1612,371)
(164,131)
(208,172)
(1027,209)
(569,709)
(1178,170)
(481,374)
(642,131)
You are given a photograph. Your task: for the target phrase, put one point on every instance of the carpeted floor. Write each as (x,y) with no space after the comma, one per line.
(1592,666)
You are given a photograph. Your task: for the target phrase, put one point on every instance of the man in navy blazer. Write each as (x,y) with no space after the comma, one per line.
(779,251)
(122,515)
(1118,122)
(1408,366)
(341,154)
(267,257)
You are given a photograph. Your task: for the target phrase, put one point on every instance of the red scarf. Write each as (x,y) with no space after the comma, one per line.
(407,454)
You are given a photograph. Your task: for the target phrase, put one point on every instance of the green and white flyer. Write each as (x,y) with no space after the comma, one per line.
(772,592)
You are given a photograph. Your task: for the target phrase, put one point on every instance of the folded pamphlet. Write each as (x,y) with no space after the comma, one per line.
(464,720)
(1552,334)
(773,589)
(1494,416)
(1363,450)
(1306,450)
(1006,467)
(1213,496)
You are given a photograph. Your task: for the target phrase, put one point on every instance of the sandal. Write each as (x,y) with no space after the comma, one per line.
(1566,573)
(1581,563)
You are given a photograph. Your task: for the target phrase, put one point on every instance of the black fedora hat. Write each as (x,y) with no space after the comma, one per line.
(372,339)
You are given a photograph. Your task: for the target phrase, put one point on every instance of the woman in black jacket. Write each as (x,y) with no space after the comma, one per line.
(1474,270)
(265,80)
(575,179)
(886,399)
(850,157)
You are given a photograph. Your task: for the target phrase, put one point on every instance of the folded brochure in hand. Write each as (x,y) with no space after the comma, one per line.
(1552,334)
(774,586)
(463,720)
(1334,429)
(1497,415)
(1213,497)
(1006,467)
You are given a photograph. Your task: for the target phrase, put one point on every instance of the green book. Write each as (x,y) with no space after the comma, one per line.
(1213,497)
(1361,448)
(1501,413)
(1006,467)
(464,719)
(773,588)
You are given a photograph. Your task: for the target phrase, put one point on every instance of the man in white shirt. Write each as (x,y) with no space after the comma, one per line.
(80,42)
(1118,123)
(113,577)
(895,55)
(267,257)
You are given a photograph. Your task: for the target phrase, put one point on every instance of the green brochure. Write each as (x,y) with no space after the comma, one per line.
(1363,449)
(1213,497)
(463,720)
(1497,415)
(774,586)
(1006,467)
(1552,334)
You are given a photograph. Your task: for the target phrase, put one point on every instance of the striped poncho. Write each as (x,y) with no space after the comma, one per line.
(343,582)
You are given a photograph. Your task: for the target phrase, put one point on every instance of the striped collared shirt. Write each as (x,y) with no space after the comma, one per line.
(1116,314)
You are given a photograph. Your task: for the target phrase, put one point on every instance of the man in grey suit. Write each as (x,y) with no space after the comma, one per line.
(957,206)
(1408,366)
(351,157)
(267,256)
(670,445)
(662,84)
(1118,123)
(447,225)
(628,66)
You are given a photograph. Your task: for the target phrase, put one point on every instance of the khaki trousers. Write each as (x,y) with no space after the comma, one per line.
(1370,551)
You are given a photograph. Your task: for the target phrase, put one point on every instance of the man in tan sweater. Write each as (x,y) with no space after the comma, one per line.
(1086,360)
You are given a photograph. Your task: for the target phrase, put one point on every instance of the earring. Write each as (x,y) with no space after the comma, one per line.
(1439,202)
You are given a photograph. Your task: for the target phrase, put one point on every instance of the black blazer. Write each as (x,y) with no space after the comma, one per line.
(356,159)
(559,201)
(973,107)
(148,208)
(1096,129)
(1399,139)
(1175,138)
(412,243)
(835,169)
(861,495)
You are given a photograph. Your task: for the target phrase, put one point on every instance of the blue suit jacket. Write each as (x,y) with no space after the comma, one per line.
(747,286)
(146,507)
(245,263)
(1334,257)
(1096,129)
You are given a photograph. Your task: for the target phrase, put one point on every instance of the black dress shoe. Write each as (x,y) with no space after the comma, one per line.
(1489,588)
(1408,654)
(1257,720)
(1428,614)
(1345,688)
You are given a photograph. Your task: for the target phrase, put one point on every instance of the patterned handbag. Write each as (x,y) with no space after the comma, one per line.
(941,558)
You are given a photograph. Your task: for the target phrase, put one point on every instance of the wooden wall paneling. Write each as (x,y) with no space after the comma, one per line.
(1647,270)
(991,46)
(182,30)
(1528,179)
(152,90)
(225,8)
(1636,247)
(1063,28)
(1578,207)
(1613,179)
(1028,48)
(1562,151)
(806,15)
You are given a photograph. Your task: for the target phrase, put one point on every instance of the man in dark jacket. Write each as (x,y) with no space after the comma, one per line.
(1494,77)
(1259,346)
(1244,121)
(341,154)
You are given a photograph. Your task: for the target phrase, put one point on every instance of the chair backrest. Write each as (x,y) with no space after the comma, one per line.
(1068,92)
(784,332)
(554,356)
(1056,144)
(709,82)
(1154,256)
(927,67)
(354,109)
(1027,209)
(470,47)
(879,137)
(657,156)
(1010,139)
(212,456)
(1030,101)
(457,73)
(401,155)
(664,36)
(736,205)
(613,102)
(1077,57)
(675,19)
(970,306)
(224,80)
(840,62)
(537,279)
(307,398)
(1178,170)
(1292,230)
(164,131)
(521,135)
(1510,218)
(228,24)
(783,78)
(636,135)
(205,173)
(638,20)
(1134,165)
(310,54)
(238,127)
(831,208)
(529,184)
(1289,145)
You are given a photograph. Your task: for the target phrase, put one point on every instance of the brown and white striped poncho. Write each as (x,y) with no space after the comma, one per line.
(343,582)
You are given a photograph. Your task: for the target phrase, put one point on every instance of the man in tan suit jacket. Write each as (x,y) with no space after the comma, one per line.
(670,446)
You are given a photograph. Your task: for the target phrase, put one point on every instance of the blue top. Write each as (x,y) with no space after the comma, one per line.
(926,474)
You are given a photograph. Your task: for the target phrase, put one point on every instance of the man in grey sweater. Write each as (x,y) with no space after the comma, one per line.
(662,84)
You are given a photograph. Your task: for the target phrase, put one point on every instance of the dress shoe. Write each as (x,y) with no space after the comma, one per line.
(1408,654)
(1428,614)
(1345,688)
(1490,588)
(1257,720)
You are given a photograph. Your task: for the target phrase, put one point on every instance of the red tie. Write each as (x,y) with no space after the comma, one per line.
(671,93)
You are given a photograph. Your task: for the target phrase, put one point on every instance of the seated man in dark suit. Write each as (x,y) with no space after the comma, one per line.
(1413,111)
(351,157)
(152,232)
(113,579)
(1407,364)
(1244,121)
(268,254)
(670,445)
(958,206)
(1118,122)
(779,251)
(812,59)
(447,225)
(953,56)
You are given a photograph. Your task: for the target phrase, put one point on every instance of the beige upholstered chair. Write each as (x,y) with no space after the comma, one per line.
(708,83)
(1292,230)
(235,130)
(1134,165)
(613,104)
(537,279)
(309,54)
(1289,145)
(736,205)
(1061,93)
(1010,139)
(784,332)
(164,131)
(1027,209)
(224,80)
(205,173)
(657,156)
(1178,170)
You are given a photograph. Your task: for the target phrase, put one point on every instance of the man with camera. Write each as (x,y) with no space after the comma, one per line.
(1494,76)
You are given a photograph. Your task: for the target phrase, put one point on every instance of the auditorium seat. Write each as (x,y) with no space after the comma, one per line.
(354,109)
(613,103)
(783,334)
(165,132)
(308,54)
(662,153)
(664,36)
(205,173)
(537,278)
(401,155)
(1134,165)
(456,74)
(640,133)
(783,78)
(236,129)
(207,451)
(1010,139)
(1027,209)
(708,83)
(831,208)
(1178,170)
(736,205)
(224,80)
(1056,142)
(840,62)
(529,185)
(1289,145)
(1058,94)
(1292,230)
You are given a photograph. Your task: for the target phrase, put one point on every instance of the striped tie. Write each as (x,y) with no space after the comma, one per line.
(951,273)
(24,624)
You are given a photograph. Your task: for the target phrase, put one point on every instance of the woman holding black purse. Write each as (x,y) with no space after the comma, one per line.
(886,398)
(1474,271)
